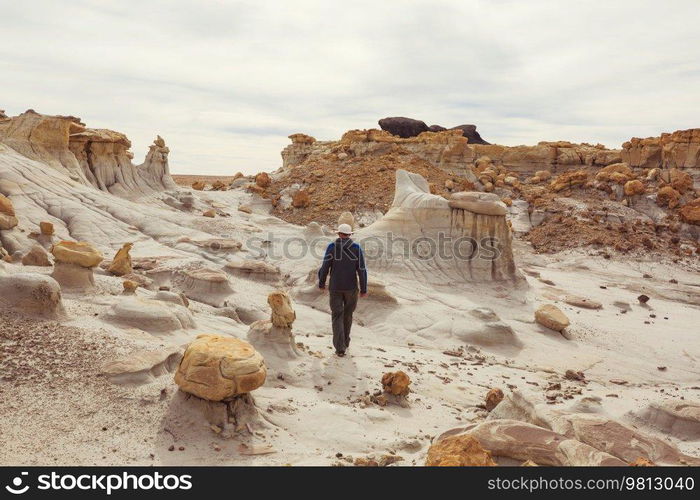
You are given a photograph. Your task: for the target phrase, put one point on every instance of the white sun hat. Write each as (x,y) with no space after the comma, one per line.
(344,228)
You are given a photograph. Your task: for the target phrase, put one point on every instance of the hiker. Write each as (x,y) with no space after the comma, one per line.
(346,262)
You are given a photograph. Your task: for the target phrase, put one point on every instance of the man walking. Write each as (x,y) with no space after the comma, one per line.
(346,263)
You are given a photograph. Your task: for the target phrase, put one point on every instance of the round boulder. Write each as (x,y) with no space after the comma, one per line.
(218,368)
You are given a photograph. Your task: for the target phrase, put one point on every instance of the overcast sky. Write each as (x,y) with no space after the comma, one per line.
(225,82)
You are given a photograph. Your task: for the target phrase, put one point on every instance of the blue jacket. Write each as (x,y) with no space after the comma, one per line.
(346,262)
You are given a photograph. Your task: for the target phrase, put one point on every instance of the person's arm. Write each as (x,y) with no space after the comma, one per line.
(325,266)
(362,270)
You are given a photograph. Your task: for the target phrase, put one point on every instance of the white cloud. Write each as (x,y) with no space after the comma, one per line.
(225,82)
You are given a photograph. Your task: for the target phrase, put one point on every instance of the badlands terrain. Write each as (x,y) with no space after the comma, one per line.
(150,319)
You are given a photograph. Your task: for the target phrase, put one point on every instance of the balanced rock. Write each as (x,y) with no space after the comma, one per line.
(283,314)
(37,256)
(80,253)
(551,316)
(274,336)
(458,451)
(396,383)
(218,368)
(121,264)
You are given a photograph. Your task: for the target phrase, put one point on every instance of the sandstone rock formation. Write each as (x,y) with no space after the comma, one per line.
(30,293)
(74,264)
(37,256)
(8,220)
(458,451)
(596,431)
(524,441)
(153,316)
(219,368)
(46,228)
(475,246)
(550,316)
(204,285)
(690,212)
(121,264)
(680,419)
(274,337)
(95,157)
(680,149)
(80,253)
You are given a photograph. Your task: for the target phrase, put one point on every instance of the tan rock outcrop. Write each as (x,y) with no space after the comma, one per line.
(199,185)
(551,316)
(458,451)
(690,212)
(417,215)
(218,368)
(8,220)
(524,441)
(667,196)
(283,314)
(634,187)
(96,157)
(617,172)
(274,337)
(121,264)
(46,228)
(569,180)
(37,256)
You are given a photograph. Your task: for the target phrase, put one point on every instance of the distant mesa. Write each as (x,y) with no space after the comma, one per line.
(409,127)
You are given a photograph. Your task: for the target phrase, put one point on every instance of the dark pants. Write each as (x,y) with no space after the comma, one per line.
(342,306)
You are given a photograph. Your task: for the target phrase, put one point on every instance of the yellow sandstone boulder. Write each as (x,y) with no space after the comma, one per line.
(458,451)
(80,253)
(121,264)
(552,317)
(219,368)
